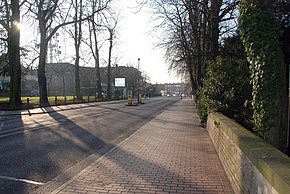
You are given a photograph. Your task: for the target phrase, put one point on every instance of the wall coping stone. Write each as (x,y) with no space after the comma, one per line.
(272,163)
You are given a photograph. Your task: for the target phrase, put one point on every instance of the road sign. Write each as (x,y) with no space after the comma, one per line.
(119,82)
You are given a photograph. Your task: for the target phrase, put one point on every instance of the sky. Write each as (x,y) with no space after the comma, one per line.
(136,40)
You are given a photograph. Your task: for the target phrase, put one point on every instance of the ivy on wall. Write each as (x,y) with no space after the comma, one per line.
(260,34)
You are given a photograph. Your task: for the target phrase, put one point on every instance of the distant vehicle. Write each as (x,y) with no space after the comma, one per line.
(168,95)
(34,93)
(104,95)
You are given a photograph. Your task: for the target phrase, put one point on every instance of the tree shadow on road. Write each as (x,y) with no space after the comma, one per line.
(122,170)
(146,164)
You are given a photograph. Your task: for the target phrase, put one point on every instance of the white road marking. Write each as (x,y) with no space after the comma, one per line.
(27,130)
(34,127)
(21,180)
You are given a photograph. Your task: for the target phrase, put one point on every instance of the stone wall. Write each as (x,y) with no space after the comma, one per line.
(252,165)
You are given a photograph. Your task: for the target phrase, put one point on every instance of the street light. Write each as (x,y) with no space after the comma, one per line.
(138,84)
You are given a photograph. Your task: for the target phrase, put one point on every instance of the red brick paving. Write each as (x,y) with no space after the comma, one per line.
(170,154)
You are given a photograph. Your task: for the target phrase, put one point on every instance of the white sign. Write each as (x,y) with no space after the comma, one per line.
(119,82)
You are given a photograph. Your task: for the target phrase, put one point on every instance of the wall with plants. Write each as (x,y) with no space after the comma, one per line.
(260,33)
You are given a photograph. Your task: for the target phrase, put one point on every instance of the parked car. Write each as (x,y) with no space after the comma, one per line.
(104,95)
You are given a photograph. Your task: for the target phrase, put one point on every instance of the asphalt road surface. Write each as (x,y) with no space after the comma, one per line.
(52,147)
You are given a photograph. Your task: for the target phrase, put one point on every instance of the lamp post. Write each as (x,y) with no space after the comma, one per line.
(181,86)
(138,82)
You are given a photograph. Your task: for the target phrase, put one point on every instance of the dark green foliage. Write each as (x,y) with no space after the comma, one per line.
(227,90)
(260,35)
(227,86)
(202,102)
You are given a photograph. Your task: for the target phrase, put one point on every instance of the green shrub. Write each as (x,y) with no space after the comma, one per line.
(227,90)
(202,106)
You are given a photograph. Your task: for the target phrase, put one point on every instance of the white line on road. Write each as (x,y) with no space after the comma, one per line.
(21,180)
(27,130)
(34,127)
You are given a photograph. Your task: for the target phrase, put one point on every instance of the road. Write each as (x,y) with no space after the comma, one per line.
(55,146)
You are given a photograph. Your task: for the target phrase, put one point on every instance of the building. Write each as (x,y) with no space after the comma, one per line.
(173,89)
(29,82)
(61,82)
(61,79)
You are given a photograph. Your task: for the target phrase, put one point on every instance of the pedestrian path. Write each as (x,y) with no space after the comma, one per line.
(170,154)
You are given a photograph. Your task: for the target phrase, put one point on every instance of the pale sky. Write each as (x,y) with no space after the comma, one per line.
(134,40)
(138,41)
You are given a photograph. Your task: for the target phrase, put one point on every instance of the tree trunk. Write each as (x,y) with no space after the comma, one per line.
(63,83)
(78,37)
(195,21)
(284,109)
(286,51)
(77,77)
(109,92)
(97,61)
(41,65)
(14,56)
(98,75)
(194,86)
(214,28)
(42,82)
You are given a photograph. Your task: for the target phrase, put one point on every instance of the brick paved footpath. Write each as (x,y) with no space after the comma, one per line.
(170,154)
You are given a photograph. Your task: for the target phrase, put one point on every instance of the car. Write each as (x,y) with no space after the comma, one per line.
(104,95)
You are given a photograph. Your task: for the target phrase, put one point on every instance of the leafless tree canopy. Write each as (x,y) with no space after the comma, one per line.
(192,32)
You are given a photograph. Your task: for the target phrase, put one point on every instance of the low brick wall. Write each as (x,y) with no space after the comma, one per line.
(252,165)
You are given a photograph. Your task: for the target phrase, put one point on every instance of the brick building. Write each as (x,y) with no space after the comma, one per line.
(61,79)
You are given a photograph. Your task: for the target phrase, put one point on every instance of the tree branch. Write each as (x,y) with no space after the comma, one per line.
(79,20)
(4,24)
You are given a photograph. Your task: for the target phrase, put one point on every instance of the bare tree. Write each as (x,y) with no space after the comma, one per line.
(78,6)
(10,21)
(192,32)
(219,12)
(110,24)
(96,55)
(45,12)
(94,28)
(179,39)
(50,19)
